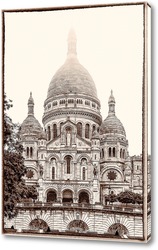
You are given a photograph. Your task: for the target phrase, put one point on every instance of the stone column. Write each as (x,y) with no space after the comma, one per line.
(89,170)
(75,171)
(96,193)
(83,131)
(59,194)
(61,172)
(40,190)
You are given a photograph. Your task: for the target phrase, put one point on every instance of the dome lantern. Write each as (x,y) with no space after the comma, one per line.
(30,105)
(111,103)
(72,43)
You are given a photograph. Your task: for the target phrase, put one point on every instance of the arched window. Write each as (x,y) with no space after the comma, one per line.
(31,152)
(27,151)
(53,173)
(79,101)
(62,101)
(79,129)
(109,152)
(93,128)
(51,196)
(68,163)
(87,131)
(102,153)
(113,152)
(54,131)
(83,173)
(123,154)
(87,103)
(55,103)
(83,197)
(49,133)
(70,100)
(49,106)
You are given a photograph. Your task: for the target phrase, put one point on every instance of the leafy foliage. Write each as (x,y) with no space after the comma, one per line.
(124,197)
(14,168)
(130,197)
(111,198)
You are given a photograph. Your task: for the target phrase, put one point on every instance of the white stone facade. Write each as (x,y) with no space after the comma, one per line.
(77,158)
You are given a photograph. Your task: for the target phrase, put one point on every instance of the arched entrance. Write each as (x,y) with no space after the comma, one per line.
(78,226)
(51,196)
(38,224)
(118,229)
(67,196)
(83,197)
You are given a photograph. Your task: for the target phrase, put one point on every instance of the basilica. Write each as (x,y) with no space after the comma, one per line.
(77,158)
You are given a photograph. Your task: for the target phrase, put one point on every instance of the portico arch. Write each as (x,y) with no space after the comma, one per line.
(118,229)
(38,224)
(84,197)
(51,196)
(78,226)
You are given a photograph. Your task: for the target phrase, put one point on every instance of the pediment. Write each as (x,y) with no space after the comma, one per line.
(54,143)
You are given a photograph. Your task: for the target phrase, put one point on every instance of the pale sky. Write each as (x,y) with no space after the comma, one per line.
(109,46)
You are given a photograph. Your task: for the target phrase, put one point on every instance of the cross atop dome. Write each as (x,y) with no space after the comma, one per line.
(111,103)
(72,42)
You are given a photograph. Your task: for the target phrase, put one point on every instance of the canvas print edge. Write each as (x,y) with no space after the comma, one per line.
(145,127)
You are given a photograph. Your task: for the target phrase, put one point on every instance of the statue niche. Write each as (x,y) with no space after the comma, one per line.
(84,162)
(68,136)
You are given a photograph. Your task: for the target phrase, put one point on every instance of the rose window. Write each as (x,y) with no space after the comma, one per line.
(112,175)
(29,174)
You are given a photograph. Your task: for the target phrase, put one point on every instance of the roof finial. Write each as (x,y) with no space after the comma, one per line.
(111,103)
(72,42)
(30,105)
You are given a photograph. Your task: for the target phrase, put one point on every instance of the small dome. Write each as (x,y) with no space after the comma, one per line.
(30,126)
(112,125)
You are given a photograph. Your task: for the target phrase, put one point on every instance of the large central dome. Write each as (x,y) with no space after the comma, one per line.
(72,77)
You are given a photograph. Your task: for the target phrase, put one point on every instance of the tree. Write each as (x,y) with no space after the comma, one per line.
(111,198)
(126,197)
(138,198)
(13,164)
